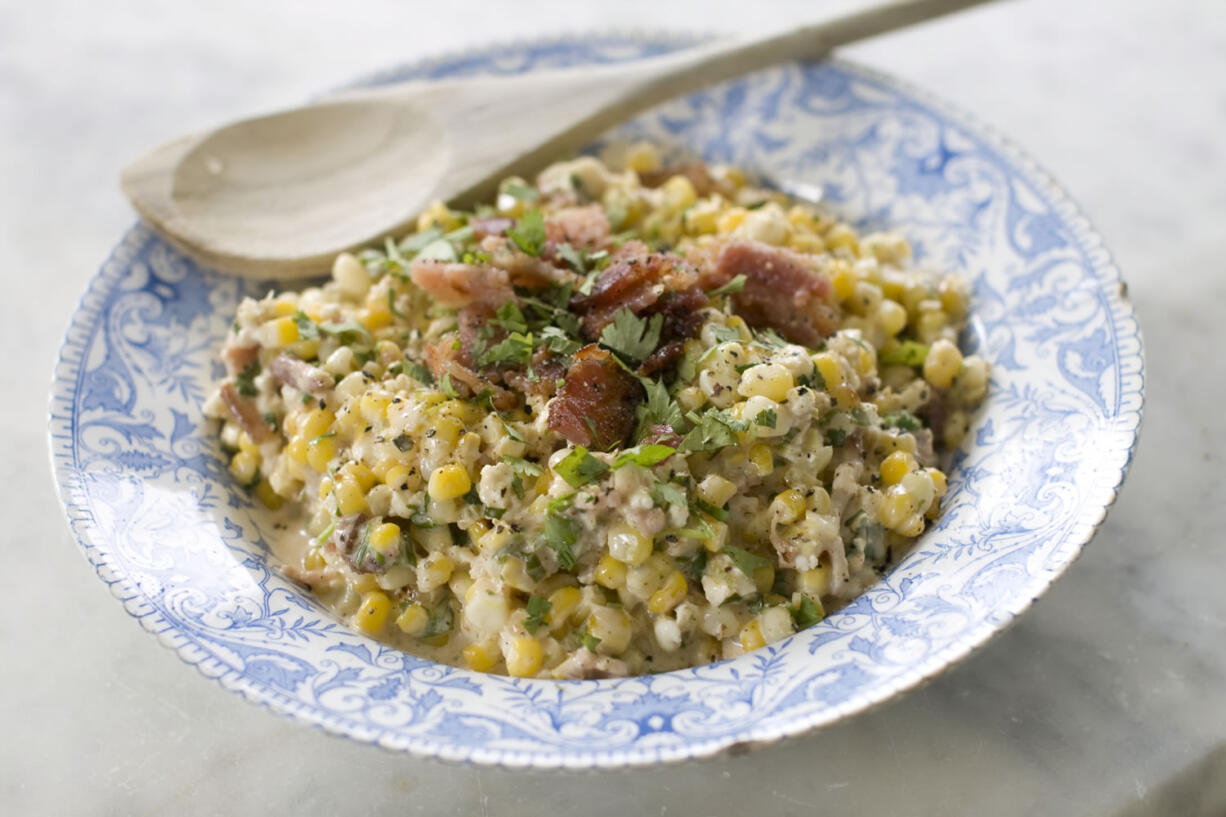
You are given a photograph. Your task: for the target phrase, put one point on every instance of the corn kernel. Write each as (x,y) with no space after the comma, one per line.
(844,397)
(364,583)
(843,279)
(314,560)
(942,364)
(716,490)
(514,573)
(296,450)
(245,443)
(764,578)
(612,626)
(449,482)
(280,332)
(830,369)
(679,192)
(627,545)
(372,612)
(843,237)
(642,157)
(271,499)
(769,380)
(731,218)
(374,405)
(437,215)
(397,477)
(244,466)
(896,466)
(670,595)
(481,656)
(413,620)
(815,583)
(283,307)
(953,298)
(610,572)
(434,572)
(375,316)
(316,422)
(939,483)
(891,317)
(751,636)
(762,459)
(386,538)
(563,603)
(524,657)
(788,506)
(360,473)
(350,498)
(448,430)
(325,487)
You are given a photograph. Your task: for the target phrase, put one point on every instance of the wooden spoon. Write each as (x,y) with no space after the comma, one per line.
(278,196)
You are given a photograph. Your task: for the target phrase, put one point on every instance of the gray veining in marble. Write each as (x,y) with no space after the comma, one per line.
(1108,698)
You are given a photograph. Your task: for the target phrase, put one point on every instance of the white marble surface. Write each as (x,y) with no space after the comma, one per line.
(1108,698)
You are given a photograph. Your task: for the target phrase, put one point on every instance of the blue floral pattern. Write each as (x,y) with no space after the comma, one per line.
(147,495)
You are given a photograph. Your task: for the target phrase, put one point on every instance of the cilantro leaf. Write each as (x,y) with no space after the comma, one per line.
(560,535)
(557,341)
(766,418)
(307,330)
(419,372)
(573,257)
(511,318)
(521,192)
(589,641)
(418,241)
(346,332)
(836,436)
(513,350)
(659,409)
(244,381)
(902,419)
(579,467)
(745,561)
(403,443)
(529,233)
(664,494)
(712,430)
(714,511)
(631,336)
(644,455)
(448,389)
(537,608)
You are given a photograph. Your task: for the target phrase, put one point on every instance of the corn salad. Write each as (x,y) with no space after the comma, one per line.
(626,419)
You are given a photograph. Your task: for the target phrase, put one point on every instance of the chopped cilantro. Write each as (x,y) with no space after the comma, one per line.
(391,303)
(668,493)
(560,535)
(644,455)
(448,389)
(511,318)
(694,565)
(244,381)
(902,419)
(745,561)
(442,619)
(513,350)
(558,342)
(631,336)
(579,467)
(529,233)
(713,511)
(419,241)
(346,332)
(766,418)
(307,329)
(659,409)
(724,334)
(712,430)
(589,641)
(522,192)
(403,442)
(573,257)
(419,372)
(537,608)
(836,436)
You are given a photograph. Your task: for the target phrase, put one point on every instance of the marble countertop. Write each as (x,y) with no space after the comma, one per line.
(1108,698)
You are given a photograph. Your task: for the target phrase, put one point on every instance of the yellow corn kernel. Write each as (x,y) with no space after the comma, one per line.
(679,192)
(495,539)
(731,218)
(891,317)
(807,242)
(896,466)
(245,443)
(718,536)
(461,410)
(397,477)
(670,595)
(413,620)
(801,217)
(716,490)
(477,530)
(841,236)
(514,573)
(953,298)
(325,487)
(816,582)
(281,332)
(434,571)
(939,483)
(449,482)
(844,397)
(271,499)
(751,636)
(610,572)
(375,316)
(448,430)
(762,459)
(374,405)
(283,307)
(314,560)
(364,583)
(764,578)
(359,473)
(942,364)
(481,656)
(701,218)
(562,605)
(386,538)
(380,468)
(769,380)
(350,498)
(524,657)
(642,157)
(244,466)
(830,369)
(316,422)
(372,612)
(613,627)
(788,506)
(296,450)
(843,279)
(304,349)
(627,545)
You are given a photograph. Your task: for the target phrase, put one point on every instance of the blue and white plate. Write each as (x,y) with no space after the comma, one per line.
(148,497)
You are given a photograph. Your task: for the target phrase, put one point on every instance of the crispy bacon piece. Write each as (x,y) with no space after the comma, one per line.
(548,368)
(781,291)
(245,414)
(595,406)
(524,270)
(646,283)
(300,374)
(443,360)
(581,227)
(458,285)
